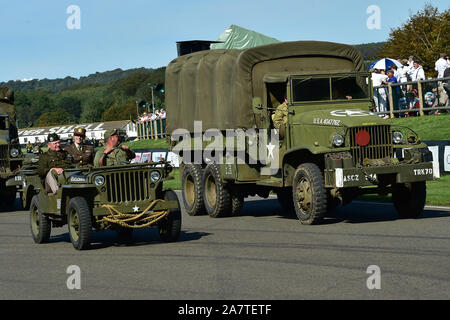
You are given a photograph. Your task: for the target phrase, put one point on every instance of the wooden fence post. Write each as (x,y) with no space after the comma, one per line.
(391,101)
(419,87)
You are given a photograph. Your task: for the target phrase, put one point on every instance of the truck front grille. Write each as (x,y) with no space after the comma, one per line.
(128,186)
(379,146)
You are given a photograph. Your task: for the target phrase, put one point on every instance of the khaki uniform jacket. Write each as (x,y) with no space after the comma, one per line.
(115,157)
(82,157)
(53,159)
(279,118)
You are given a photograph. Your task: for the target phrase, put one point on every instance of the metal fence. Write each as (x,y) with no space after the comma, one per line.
(414,98)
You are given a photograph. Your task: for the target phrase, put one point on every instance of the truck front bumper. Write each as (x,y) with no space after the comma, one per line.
(374,175)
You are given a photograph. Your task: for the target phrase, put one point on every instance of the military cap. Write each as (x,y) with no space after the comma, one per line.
(52,137)
(79,132)
(111,132)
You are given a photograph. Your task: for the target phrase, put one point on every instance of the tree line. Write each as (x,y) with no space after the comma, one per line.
(89,102)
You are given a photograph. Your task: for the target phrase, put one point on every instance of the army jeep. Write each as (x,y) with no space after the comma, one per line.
(120,198)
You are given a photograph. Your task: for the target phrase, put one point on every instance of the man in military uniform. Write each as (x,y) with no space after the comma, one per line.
(279,118)
(114,153)
(52,163)
(82,154)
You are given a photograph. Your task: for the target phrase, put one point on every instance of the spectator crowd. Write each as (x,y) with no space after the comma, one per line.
(158,114)
(406,97)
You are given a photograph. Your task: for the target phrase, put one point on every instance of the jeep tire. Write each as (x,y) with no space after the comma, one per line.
(409,199)
(309,194)
(40,225)
(170,226)
(192,189)
(79,223)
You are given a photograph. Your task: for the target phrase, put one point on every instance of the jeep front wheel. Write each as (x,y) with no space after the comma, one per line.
(170,227)
(80,223)
(40,225)
(309,194)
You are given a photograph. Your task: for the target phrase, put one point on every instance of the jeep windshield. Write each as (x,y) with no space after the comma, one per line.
(329,88)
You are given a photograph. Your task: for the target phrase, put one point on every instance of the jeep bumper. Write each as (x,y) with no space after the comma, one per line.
(133,207)
(369,176)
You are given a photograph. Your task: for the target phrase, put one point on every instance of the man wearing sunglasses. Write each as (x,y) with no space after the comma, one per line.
(114,153)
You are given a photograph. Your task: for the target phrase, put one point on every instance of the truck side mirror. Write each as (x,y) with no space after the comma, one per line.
(257,105)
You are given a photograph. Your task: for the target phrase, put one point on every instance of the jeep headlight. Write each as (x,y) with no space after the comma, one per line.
(338,140)
(99,180)
(14,152)
(397,137)
(155,176)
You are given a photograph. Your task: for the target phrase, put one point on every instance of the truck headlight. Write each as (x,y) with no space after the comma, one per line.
(14,152)
(155,176)
(99,180)
(338,140)
(397,137)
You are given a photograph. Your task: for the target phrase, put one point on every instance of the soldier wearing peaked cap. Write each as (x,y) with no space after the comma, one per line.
(81,153)
(52,163)
(114,153)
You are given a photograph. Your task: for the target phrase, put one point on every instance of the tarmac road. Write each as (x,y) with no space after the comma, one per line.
(262,254)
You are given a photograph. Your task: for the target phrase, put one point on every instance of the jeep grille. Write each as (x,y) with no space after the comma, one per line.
(128,186)
(379,146)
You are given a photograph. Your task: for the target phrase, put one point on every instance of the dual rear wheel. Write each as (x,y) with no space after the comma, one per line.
(204,192)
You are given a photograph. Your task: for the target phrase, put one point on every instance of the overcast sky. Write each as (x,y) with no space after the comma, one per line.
(40,39)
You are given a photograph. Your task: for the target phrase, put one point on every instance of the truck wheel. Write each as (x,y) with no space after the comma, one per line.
(309,194)
(169,228)
(237,203)
(284,196)
(217,196)
(40,225)
(409,199)
(192,190)
(80,223)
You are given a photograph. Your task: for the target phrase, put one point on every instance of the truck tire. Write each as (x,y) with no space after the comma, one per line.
(237,203)
(409,199)
(40,225)
(192,190)
(80,223)
(284,196)
(217,197)
(309,194)
(170,227)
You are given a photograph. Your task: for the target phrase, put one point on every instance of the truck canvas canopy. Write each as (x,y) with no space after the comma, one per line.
(217,86)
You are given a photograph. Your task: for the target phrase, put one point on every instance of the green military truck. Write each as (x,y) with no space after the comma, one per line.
(120,198)
(11,156)
(326,148)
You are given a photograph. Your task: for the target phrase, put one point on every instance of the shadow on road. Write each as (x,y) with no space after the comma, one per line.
(356,212)
(141,237)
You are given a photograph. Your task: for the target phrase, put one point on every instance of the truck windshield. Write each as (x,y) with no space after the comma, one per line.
(330,88)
